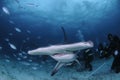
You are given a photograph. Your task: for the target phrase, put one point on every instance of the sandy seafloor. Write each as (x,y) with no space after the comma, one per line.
(21,70)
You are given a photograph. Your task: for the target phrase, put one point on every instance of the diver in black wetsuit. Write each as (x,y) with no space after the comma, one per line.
(103,51)
(114,49)
(88,57)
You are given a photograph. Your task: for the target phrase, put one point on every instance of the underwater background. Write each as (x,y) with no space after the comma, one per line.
(29,24)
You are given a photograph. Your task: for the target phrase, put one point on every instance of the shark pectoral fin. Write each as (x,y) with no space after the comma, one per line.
(57,67)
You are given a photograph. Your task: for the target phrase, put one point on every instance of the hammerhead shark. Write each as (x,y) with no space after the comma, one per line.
(64,54)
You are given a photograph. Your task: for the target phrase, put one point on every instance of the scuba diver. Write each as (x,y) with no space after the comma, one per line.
(106,53)
(88,58)
(103,51)
(114,43)
(114,49)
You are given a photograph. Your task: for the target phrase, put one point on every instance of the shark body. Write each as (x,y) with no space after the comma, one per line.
(62,53)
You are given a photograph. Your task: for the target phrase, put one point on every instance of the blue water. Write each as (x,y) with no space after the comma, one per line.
(40,22)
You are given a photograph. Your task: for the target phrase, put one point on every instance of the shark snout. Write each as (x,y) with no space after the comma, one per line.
(35,52)
(31,52)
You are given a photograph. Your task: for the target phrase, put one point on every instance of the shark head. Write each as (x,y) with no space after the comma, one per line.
(51,50)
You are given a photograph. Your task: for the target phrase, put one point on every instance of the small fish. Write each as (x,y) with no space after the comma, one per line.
(18,59)
(7,56)
(35,64)
(25,63)
(25,57)
(43,62)
(14,55)
(0,48)
(20,54)
(17,29)
(10,34)
(11,22)
(30,60)
(41,66)
(28,31)
(24,52)
(12,46)
(5,10)
(7,60)
(7,40)
(34,68)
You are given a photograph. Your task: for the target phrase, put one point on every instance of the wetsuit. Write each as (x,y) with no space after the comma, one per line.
(114,49)
(88,57)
